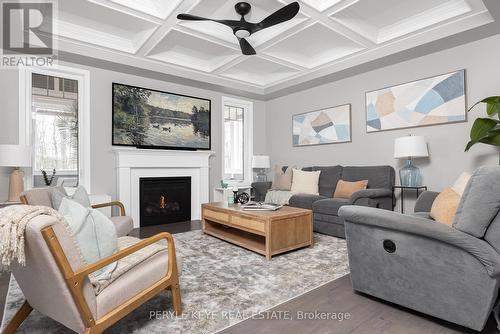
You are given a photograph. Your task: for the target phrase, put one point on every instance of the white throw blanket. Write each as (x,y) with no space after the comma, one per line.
(280,197)
(13,221)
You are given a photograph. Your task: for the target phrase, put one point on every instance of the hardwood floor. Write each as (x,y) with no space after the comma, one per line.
(367,314)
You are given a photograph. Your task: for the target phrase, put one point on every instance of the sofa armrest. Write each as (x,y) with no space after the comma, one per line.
(370,193)
(425,200)
(425,228)
(261,189)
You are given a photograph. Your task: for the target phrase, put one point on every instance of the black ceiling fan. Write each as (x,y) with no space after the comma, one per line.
(243,29)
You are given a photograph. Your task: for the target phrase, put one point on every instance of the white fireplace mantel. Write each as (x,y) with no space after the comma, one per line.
(133,164)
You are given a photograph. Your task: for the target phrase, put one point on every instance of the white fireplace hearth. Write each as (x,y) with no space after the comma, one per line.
(133,164)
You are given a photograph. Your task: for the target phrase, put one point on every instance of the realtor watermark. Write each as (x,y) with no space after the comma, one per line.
(28,30)
(242,315)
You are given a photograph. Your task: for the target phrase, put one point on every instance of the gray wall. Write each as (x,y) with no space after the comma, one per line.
(102,156)
(446,142)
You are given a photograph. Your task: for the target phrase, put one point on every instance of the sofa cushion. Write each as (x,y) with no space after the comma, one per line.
(377,176)
(444,206)
(480,202)
(282,180)
(305,182)
(328,179)
(345,189)
(329,206)
(304,201)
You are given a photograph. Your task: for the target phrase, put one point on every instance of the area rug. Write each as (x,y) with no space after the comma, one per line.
(221,285)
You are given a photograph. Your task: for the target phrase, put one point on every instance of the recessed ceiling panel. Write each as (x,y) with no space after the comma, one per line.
(258,71)
(222,9)
(383,20)
(314,46)
(321,5)
(157,8)
(91,23)
(190,51)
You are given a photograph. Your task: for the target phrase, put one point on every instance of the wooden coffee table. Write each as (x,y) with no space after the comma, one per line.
(264,232)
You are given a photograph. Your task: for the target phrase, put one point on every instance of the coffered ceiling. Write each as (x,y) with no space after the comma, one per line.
(325,37)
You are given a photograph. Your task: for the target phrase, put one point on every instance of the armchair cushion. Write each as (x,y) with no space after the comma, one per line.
(123,225)
(41,196)
(134,280)
(390,220)
(480,202)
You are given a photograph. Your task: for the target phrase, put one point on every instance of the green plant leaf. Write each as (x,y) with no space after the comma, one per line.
(492,105)
(484,130)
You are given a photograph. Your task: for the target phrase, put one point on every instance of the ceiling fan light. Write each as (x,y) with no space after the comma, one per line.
(242,33)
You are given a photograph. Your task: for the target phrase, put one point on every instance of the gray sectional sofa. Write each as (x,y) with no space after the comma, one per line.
(325,208)
(452,273)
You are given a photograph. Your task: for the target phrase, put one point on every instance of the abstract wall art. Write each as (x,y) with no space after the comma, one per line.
(325,126)
(430,101)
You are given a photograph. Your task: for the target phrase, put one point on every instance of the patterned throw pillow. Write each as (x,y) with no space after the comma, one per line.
(80,196)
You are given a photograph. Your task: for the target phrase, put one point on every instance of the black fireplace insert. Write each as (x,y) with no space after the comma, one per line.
(164,200)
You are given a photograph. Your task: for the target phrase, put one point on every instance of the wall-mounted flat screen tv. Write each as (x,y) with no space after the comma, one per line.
(147,118)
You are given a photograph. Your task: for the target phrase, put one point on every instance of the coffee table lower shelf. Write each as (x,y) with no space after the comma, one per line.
(251,241)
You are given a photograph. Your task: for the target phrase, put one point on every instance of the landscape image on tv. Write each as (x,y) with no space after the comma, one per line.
(150,118)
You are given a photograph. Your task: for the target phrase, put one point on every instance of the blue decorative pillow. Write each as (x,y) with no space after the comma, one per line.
(80,196)
(94,232)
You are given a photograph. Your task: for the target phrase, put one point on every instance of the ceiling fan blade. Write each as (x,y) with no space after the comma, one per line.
(246,48)
(282,15)
(188,17)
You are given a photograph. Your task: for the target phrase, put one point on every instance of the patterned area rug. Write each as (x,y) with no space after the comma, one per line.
(221,284)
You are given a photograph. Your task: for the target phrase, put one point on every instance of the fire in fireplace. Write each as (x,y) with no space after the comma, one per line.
(164,200)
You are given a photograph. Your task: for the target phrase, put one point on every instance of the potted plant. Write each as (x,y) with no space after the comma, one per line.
(486,130)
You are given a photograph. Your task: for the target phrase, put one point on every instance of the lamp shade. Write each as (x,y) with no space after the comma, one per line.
(410,146)
(261,161)
(15,156)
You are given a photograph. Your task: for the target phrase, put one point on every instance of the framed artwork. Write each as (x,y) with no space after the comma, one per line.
(326,126)
(436,100)
(148,118)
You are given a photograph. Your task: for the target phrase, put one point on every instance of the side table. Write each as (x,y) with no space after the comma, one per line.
(419,189)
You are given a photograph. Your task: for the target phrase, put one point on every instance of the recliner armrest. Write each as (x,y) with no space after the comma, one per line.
(370,193)
(426,228)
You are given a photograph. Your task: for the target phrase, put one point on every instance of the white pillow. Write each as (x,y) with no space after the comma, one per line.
(305,182)
(94,232)
(461,183)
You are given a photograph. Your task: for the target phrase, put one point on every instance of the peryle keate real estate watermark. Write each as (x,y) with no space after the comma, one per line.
(28,30)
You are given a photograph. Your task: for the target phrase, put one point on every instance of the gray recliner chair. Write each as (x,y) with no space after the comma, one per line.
(452,273)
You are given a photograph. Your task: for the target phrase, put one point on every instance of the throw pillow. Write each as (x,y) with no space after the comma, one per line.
(94,232)
(445,206)
(80,196)
(345,189)
(305,182)
(461,182)
(282,180)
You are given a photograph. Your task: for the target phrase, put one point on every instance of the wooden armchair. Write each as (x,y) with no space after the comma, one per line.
(42,196)
(55,281)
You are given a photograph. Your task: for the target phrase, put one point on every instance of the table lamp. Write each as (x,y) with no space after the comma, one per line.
(261,163)
(410,147)
(15,156)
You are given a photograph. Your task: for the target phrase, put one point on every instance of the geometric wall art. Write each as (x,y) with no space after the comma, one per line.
(325,126)
(430,101)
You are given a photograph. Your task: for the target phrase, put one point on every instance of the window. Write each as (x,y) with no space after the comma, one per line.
(237,125)
(54,130)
